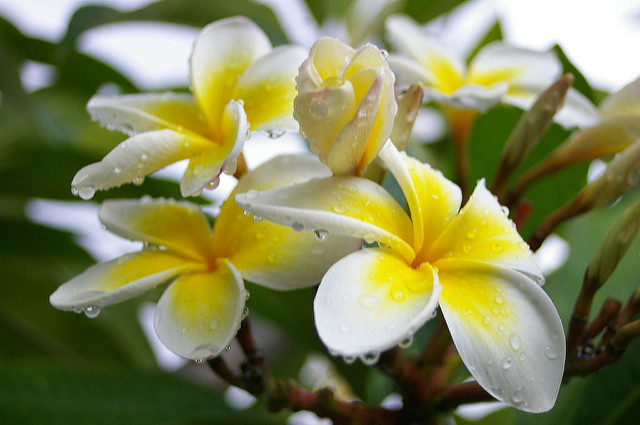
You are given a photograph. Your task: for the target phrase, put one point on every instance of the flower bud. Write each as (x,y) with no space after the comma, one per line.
(345,104)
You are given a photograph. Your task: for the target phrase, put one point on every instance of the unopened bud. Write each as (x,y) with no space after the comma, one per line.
(409,103)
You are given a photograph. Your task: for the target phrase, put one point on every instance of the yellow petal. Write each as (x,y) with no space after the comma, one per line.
(372,300)
(347,206)
(120,279)
(329,57)
(200,313)
(138,113)
(223,50)
(482,232)
(433,200)
(135,158)
(178,226)
(267,87)
(204,170)
(506,330)
(271,254)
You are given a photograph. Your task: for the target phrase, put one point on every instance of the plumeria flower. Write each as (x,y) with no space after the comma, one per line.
(201,310)
(345,104)
(238,80)
(470,261)
(617,128)
(498,73)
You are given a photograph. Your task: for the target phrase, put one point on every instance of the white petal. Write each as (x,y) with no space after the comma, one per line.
(121,279)
(267,87)
(200,313)
(372,300)
(206,168)
(577,111)
(137,157)
(507,331)
(138,113)
(470,96)
(346,206)
(223,50)
(408,71)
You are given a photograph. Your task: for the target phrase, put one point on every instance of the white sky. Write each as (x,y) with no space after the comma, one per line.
(600,37)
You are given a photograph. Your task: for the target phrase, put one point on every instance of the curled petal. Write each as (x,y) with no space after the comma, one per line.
(372,300)
(137,157)
(267,87)
(179,226)
(347,206)
(204,169)
(482,232)
(270,254)
(138,113)
(329,56)
(507,332)
(222,52)
(433,200)
(200,313)
(121,279)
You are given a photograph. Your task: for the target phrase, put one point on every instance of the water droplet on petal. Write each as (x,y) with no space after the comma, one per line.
(499,299)
(497,248)
(406,342)
(212,184)
(227,348)
(246,294)
(138,180)
(252,194)
(247,213)
(397,295)
(297,226)
(321,235)
(274,134)
(369,301)
(507,363)
(505,210)
(199,361)
(472,234)
(213,324)
(85,192)
(245,312)
(92,311)
(515,342)
(349,359)
(518,396)
(369,238)
(318,109)
(257,218)
(466,248)
(550,353)
(338,209)
(370,358)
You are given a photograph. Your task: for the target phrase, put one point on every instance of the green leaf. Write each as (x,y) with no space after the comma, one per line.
(423,11)
(494,34)
(196,13)
(31,393)
(323,9)
(580,82)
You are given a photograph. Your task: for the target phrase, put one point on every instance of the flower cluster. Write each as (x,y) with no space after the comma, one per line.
(299,220)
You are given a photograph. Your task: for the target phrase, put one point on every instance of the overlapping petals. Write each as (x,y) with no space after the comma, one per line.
(471,261)
(237,79)
(498,73)
(201,309)
(345,104)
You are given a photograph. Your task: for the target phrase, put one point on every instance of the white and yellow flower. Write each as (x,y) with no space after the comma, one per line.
(345,104)
(201,309)
(470,261)
(238,80)
(498,73)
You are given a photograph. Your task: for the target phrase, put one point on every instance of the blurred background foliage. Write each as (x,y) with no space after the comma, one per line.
(65,368)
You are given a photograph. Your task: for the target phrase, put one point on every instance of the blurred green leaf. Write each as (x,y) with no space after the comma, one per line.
(323,9)
(197,13)
(31,393)
(423,11)
(494,34)
(580,82)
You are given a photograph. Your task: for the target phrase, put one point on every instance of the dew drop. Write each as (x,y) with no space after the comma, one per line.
(213,183)
(518,396)
(213,324)
(92,311)
(246,294)
(505,210)
(144,157)
(183,330)
(514,340)
(406,342)
(257,218)
(499,299)
(74,191)
(199,361)
(370,358)
(117,169)
(321,235)
(318,109)
(138,180)
(472,234)
(397,295)
(369,301)
(550,353)
(85,192)
(497,248)
(369,238)
(245,312)
(466,248)
(247,213)
(507,363)
(297,226)
(385,54)
(227,348)
(349,359)
(338,209)
(274,134)
(252,194)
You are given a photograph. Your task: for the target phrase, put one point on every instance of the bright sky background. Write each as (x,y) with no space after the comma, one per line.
(601,37)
